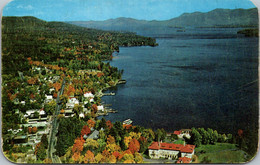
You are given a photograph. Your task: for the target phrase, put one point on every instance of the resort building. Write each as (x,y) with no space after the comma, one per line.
(170,151)
(183,132)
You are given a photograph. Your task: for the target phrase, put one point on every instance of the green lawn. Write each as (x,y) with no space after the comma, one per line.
(179,142)
(220,153)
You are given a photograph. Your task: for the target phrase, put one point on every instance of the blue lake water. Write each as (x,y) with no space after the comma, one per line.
(198,78)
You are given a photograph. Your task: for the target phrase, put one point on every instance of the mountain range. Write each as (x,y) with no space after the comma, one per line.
(214,18)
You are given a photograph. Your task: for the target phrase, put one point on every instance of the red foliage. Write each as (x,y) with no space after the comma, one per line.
(240,132)
(94,108)
(85,130)
(134,146)
(109,124)
(100,74)
(127,126)
(55,95)
(116,154)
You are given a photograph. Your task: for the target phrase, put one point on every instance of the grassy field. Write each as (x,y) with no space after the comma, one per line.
(220,153)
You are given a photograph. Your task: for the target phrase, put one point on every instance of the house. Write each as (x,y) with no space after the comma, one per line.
(183,132)
(100,108)
(88,95)
(170,151)
(29,113)
(48,98)
(68,113)
(81,115)
(94,135)
(22,102)
(72,101)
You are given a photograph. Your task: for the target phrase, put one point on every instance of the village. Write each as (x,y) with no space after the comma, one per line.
(37,123)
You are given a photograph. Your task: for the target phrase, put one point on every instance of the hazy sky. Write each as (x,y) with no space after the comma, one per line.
(84,10)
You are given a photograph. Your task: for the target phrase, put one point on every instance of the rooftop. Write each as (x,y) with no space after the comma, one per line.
(171,146)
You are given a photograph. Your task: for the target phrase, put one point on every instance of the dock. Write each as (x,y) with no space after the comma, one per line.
(121,81)
(109,94)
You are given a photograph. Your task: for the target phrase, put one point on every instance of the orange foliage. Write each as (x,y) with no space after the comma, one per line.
(134,146)
(127,126)
(62,111)
(110,139)
(89,157)
(78,145)
(29,130)
(76,156)
(55,95)
(57,86)
(34,129)
(70,91)
(94,108)
(85,130)
(91,123)
(109,124)
(37,148)
(32,81)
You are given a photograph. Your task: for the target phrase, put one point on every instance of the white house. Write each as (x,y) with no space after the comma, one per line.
(73,100)
(88,95)
(183,132)
(170,151)
(100,108)
(22,102)
(81,115)
(48,98)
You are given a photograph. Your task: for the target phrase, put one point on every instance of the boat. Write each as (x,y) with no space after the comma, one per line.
(127,122)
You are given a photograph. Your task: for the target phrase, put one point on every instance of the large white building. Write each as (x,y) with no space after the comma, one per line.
(170,151)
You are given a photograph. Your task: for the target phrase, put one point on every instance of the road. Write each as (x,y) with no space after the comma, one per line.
(54,128)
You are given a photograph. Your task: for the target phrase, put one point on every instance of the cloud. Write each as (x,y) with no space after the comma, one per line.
(28,7)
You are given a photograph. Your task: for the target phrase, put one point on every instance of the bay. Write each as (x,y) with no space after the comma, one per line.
(203,77)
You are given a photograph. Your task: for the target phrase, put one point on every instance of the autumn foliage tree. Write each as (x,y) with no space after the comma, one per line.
(57,86)
(85,130)
(78,145)
(89,157)
(134,146)
(91,123)
(109,124)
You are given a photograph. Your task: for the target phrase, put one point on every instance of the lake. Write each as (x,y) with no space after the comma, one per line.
(203,77)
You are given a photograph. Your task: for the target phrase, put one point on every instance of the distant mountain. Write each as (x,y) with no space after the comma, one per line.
(215,18)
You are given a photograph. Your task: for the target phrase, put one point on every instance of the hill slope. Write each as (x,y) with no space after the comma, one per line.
(215,18)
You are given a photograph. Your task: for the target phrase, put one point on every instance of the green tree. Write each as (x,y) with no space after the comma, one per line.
(196,138)
(40,151)
(44,141)
(50,107)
